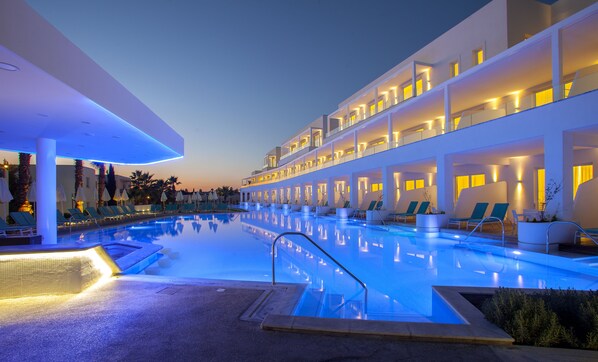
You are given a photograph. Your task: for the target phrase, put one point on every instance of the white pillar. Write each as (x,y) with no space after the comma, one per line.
(314,193)
(330,192)
(444,183)
(390,135)
(557,64)
(388,188)
(355,144)
(413,75)
(447,110)
(353,192)
(46,189)
(558,163)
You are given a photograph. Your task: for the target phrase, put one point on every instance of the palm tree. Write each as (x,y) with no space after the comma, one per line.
(24,182)
(142,186)
(101,180)
(170,185)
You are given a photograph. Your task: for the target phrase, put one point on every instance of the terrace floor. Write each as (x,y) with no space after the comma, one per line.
(146,318)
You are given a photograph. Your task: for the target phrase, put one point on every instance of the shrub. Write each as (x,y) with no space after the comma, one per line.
(553,318)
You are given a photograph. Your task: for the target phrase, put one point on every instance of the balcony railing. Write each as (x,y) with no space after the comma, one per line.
(580,85)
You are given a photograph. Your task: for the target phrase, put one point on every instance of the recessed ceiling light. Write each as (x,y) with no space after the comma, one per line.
(8,67)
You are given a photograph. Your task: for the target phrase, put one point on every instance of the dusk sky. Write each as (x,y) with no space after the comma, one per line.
(236,78)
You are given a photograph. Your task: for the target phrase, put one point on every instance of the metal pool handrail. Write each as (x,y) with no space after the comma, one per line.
(502,225)
(365,288)
(571,223)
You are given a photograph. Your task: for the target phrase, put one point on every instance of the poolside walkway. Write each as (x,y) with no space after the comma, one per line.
(139,318)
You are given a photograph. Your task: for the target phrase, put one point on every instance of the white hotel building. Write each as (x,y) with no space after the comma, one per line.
(491,110)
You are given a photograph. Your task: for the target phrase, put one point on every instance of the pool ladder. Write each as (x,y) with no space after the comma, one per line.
(502,225)
(583,231)
(365,288)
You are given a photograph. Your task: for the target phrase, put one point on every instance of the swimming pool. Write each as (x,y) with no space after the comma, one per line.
(398,266)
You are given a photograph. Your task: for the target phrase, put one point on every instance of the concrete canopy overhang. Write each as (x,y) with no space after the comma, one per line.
(57,92)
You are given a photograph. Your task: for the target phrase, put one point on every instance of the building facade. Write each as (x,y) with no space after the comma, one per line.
(498,108)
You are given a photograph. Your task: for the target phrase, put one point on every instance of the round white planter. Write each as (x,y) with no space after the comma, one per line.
(344,213)
(306,209)
(532,235)
(429,224)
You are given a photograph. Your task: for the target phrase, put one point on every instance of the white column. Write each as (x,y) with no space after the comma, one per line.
(444,183)
(355,144)
(390,135)
(314,193)
(353,193)
(558,162)
(330,192)
(376,100)
(46,189)
(447,110)
(557,64)
(413,75)
(388,188)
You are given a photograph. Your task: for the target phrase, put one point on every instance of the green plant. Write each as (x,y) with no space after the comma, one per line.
(552,318)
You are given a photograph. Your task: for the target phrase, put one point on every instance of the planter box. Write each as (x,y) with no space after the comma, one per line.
(429,224)
(344,213)
(258,206)
(532,235)
(305,209)
(376,216)
(322,210)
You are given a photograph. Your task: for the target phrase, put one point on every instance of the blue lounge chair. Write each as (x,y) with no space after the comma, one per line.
(78,217)
(410,211)
(478,213)
(22,218)
(6,229)
(499,211)
(423,207)
(359,213)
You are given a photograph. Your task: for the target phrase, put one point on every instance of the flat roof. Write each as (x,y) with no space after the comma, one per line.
(51,89)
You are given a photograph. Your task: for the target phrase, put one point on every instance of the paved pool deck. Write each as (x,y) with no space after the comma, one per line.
(140,318)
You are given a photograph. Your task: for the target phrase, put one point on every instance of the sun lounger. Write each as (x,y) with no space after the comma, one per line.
(499,211)
(478,213)
(360,212)
(6,229)
(422,209)
(410,211)
(78,217)
(22,218)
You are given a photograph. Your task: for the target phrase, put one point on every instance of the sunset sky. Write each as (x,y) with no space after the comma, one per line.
(236,78)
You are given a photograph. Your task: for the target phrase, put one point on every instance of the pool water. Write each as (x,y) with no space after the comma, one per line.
(398,267)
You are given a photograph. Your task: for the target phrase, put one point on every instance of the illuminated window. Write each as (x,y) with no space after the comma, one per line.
(348,188)
(380,104)
(541,184)
(377,187)
(543,97)
(456,121)
(352,117)
(581,174)
(419,86)
(478,180)
(461,182)
(567,89)
(478,56)
(414,184)
(372,109)
(454,69)
(407,92)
